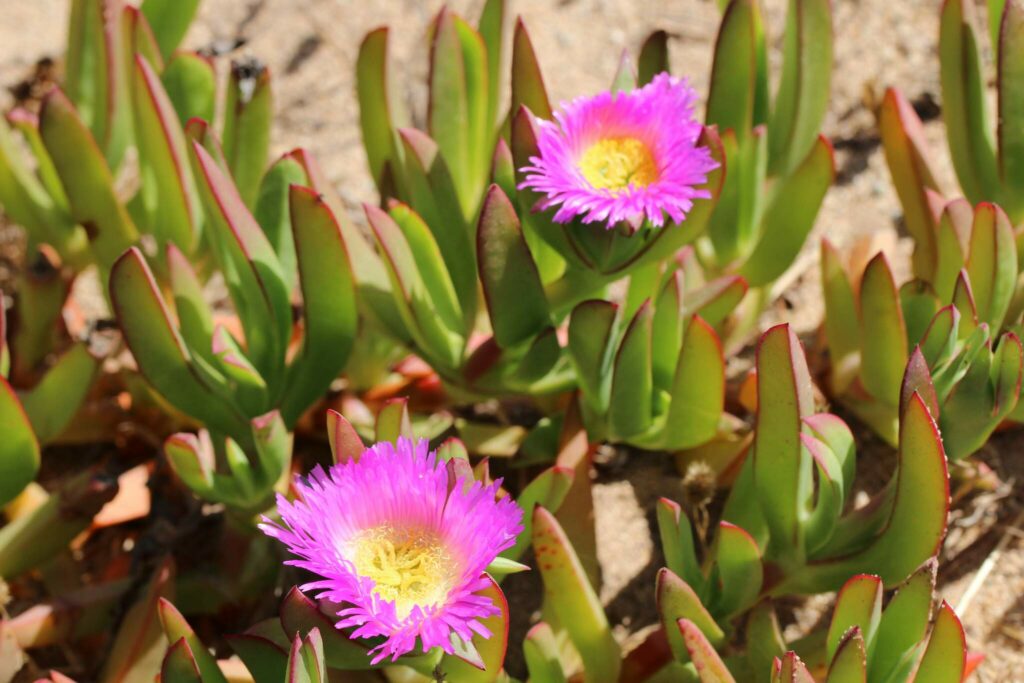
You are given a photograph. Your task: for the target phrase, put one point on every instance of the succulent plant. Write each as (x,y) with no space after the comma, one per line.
(947,328)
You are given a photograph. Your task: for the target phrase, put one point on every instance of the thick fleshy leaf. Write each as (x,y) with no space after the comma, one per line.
(904,144)
(966,115)
(992,264)
(677,600)
(158,348)
(629,411)
(393,421)
(591,332)
(883,333)
(710,667)
(698,389)
(527,83)
(653,58)
(249,110)
(138,648)
(841,327)
(547,490)
(491,28)
(1010,128)
(737,561)
(345,442)
(784,398)
(264,651)
(179,664)
(859,605)
(789,218)
(177,628)
(849,665)
(306,659)
(676,536)
(166,186)
(253,273)
(195,319)
(273,212)
(802,99)
(299,614)
(52,403)
(191,84)
(764,638)
(491,651)
(570,595)
(377,115)
(515,296)
(170,20)
(19,454)
(329,306)
(541,652)
(904,623)
(738,97)
(944,658)
(87,179)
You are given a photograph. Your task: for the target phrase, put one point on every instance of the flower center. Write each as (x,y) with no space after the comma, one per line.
(616,163)
(409,567)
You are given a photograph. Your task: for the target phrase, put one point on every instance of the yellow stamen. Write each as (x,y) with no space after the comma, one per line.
(616,163)
(410,567)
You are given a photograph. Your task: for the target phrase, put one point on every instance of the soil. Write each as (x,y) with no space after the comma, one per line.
(310,46)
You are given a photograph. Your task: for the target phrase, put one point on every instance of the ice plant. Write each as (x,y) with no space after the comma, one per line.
(622,157)
(401,544)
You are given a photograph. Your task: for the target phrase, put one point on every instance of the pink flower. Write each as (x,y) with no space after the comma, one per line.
(622,157)
(399,545)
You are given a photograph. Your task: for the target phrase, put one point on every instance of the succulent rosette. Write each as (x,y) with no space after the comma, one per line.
(400,544)
(625,156)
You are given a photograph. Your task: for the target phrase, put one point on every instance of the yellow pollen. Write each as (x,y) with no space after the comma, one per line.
(409,567)
(616,163)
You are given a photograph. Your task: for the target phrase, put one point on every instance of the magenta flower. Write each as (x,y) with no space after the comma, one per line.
(399,545)
(622,157)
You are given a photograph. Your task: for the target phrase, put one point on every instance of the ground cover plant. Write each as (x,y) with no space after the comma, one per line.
(291,437)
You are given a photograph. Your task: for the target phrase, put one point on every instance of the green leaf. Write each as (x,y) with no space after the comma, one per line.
(698,389)
(377,115)
(329,307)
(345,442)
(541,652)
(591,333)
(630,407)
(527,82)
(87,180)
(677,600)
(306,659)
(138,648)
(299,614)
(738,97)
(790,216)
(179,664)
(512,288)
(177,629)
(272,212)
(849,665)
(569,593)
(449,117)
(52,403)
(191,85)
(491,28)
(764,638)
(653,58)
(19,455)
(803,95)
(944,659)
(547,490)
(883,333)
(737,564)
(249,111)
(859,605)
(966,115)
(166,187)
(904,145)
(710,666)
(784,398)
(158,348)
(904,623)
(393,421)
(195,319)
(676,535)
(170,20)
(842,329)
(253,274)
(1010,128)
(992,264)
(491,651)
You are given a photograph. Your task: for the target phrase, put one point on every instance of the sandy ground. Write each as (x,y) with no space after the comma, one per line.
(311,46)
